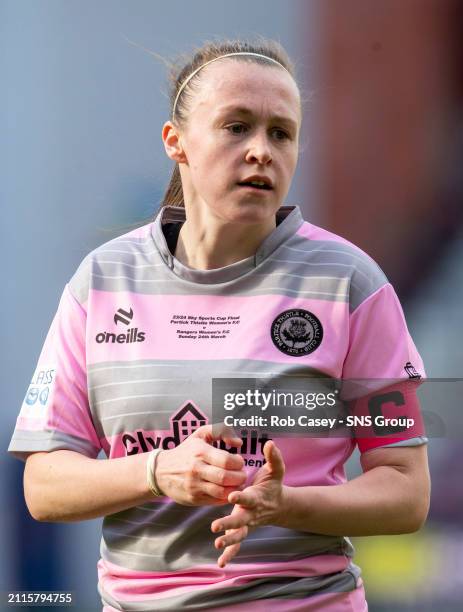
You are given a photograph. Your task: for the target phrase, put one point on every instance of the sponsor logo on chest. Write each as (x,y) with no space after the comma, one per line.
(129,336)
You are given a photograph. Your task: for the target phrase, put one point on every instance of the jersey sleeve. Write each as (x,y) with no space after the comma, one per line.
(55,413)
(381,374)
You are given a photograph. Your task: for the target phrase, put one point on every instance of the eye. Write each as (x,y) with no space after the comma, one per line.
(236,128)
(280,134)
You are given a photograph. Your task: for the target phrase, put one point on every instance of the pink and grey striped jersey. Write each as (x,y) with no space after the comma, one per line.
(127,367)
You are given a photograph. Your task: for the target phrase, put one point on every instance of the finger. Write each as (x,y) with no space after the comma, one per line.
(218,431)
(274,459)
(246,498)
(215,491)
(222,458)
(205,500)
(225,478)
(232,521)
(232,536)
(228,554)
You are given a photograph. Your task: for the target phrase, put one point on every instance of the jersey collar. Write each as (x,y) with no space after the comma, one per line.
(289,218)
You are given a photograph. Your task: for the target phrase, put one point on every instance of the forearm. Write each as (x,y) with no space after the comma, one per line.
(67,486)
(380,501)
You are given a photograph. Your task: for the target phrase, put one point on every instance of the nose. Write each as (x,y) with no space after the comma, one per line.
(259,150)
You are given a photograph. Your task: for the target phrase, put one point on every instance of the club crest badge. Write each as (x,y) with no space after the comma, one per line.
(297,332)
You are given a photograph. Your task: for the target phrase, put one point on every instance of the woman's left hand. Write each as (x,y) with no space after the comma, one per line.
(257,505)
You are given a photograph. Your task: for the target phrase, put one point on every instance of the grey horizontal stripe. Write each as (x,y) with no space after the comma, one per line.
(153,525)
(342,254)
(118,520)
(263,589)
(332,267)
(123,553)
(143,508)
(366,276)
(169,551)
(80,282)
(132,397)
(278,538)
(136,414)
(133,240)
(245,286)
(275,556)
(221,373)
(140,539)
(235,367)
(46,441)
(110,277)
(99,367)
(129,265)
(332,282)
(159,507)
(129,397)
(135,251)
(182,538)
(127,382)
(329,279)
(142,396)
(336,295)
(304,545)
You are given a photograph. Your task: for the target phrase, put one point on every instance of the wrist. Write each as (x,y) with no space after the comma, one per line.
(161,470)
(284,514)
(151,473)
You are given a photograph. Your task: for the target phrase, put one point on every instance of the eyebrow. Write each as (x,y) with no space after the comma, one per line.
(244,110)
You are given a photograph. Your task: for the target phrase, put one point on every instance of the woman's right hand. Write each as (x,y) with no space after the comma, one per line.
(195,473)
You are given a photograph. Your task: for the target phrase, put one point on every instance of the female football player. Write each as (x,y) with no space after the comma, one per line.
(226,282)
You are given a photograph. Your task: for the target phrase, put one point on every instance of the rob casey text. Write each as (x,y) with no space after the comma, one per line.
(259,399)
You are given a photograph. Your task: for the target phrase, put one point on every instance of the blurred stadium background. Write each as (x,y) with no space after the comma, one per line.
(81,159)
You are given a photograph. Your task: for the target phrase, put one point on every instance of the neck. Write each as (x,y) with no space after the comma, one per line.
(210,243)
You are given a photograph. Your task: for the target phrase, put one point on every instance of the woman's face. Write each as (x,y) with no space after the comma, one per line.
(242,130)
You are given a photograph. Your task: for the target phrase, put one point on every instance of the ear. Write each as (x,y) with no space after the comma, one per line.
(173,143)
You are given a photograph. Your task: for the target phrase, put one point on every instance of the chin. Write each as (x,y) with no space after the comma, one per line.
(252,212)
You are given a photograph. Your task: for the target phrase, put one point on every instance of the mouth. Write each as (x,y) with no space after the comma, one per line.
(256,185)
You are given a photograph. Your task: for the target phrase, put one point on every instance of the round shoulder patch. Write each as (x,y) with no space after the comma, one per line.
(296,332)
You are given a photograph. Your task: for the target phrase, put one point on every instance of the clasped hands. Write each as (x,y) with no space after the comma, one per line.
(195,473)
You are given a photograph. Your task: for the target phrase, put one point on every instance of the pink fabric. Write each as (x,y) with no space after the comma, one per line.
(327,564)
(163,342)
(353,601)
(30,423)
(67,407)
(313,232)
(128,585)
(374,352)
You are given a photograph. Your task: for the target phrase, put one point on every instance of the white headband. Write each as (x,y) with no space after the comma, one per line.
(186,81)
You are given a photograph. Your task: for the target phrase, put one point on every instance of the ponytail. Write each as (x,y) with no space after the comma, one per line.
(174,192)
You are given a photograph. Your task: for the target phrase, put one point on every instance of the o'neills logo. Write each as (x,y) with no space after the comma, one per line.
(129,336)
(132,335)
